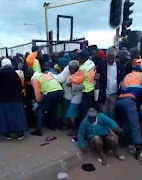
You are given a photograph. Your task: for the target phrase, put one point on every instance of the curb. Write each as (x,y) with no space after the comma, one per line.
(50,172)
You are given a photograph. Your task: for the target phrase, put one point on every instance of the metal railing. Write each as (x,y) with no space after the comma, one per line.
(20,49)
(50,46)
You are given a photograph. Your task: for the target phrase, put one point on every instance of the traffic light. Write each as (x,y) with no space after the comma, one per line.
(115,13)
(127,22)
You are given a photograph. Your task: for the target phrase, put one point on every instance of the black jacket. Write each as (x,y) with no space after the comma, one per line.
(11,87)
(102,68)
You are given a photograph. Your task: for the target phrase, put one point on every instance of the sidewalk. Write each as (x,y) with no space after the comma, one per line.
(27,160)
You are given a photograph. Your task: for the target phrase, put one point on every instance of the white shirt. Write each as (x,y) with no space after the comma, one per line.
(112,86)
(63,78)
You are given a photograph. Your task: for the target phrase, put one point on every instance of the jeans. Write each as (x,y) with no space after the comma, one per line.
(128,115)
(49,103)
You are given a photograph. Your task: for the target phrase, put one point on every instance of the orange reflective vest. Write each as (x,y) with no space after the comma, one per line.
(132,85)
(85,75)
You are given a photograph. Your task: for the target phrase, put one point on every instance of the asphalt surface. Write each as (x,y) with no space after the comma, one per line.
(117,170)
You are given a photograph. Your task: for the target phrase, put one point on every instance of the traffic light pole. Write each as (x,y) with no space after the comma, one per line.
(46,19)
(117,41)
(46,7)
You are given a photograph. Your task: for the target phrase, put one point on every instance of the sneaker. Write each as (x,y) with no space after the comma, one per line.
(20,136)
(120,157)
(7,136)
(132,149)
(140,159)
(37,132)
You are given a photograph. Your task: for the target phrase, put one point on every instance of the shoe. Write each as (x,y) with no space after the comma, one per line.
(140,159)
(120,157)
(138,151)
(37,132)
(132,149)
(20,136)
(7,136)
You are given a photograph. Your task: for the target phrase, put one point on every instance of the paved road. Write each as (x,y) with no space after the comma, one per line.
(128,170)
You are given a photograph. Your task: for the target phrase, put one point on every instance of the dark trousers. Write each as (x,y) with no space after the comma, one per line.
(28,102)
(49,103)
(87,103)
(128,119)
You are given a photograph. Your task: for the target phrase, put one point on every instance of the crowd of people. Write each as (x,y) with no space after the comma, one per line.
(96,95)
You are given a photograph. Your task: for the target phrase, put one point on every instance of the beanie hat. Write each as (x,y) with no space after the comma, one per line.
(101,54)
(63,62)
(6,62)
(83,55)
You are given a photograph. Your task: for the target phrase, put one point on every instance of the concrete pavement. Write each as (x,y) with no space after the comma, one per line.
(117,170)
(27,160)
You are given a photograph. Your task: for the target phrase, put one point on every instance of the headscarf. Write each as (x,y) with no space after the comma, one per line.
(6,62)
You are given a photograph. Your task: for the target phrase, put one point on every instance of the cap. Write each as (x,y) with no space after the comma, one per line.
(6,62)
(88,167)
(74,64)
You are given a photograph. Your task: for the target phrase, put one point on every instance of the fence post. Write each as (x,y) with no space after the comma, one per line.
(64,46)
(6,51)
(33,43)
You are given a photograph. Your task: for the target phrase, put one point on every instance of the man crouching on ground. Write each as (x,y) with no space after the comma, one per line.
(100,131)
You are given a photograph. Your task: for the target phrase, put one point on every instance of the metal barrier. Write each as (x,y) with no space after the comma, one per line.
(50,46)
(4,52)
(66,46)
(21,49)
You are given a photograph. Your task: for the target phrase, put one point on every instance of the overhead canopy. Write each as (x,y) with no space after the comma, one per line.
(59,3)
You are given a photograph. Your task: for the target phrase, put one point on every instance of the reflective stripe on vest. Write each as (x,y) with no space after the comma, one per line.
(88,69)
(133,79)
(48,84)
(132,85)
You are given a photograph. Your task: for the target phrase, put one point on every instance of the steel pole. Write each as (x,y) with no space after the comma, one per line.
(117,40)
(46,21)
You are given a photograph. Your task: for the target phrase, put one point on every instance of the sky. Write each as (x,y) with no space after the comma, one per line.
(91,20)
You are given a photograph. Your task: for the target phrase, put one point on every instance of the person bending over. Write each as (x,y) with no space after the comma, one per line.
(48,93)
